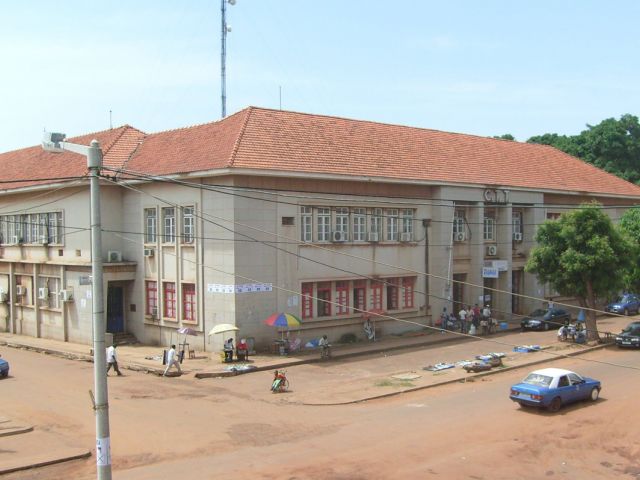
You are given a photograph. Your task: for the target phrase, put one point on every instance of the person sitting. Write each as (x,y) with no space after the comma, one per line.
(228,350)
(563,332)
(242,350)
(278,381)
(325,346)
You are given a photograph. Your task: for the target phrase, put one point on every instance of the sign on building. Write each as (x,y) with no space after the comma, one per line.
(489,272)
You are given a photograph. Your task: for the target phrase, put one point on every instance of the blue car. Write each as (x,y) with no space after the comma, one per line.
(626,304)
(4,368)
(552,388)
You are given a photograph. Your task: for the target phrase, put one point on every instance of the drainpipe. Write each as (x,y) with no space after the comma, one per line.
(426,222)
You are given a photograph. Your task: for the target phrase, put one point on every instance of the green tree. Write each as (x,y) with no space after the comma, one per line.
(612,145)
(630,227)
(506,136)
(581,255)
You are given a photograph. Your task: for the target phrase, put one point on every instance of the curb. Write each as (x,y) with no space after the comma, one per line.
(16,431)
(45,463)
(455,380)
(79,356)
(342,356)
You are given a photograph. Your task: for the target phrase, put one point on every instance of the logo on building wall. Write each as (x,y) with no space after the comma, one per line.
(496,195)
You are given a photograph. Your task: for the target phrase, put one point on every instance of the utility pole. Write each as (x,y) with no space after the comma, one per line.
(223,52)
(54,142)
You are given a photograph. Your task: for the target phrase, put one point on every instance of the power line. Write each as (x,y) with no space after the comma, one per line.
(390,317)
(449,203)
(266,243)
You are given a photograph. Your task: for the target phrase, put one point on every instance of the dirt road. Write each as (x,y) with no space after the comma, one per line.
(234,428)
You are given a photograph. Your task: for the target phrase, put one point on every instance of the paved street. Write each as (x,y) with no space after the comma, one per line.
(191,428)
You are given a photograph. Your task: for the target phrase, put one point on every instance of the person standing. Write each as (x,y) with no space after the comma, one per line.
(172,359)
(112,361)
(486,319)
(475,320)
(444,319)
(462,314)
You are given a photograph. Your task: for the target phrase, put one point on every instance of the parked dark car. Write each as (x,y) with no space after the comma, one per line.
(630,336)
(540,319)
(626,304)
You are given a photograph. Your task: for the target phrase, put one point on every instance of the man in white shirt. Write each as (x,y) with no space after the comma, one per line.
(462,314)
(112,360)
(172,359)
(325,346)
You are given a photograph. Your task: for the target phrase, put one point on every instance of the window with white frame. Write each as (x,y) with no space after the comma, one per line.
(306,224)
(15,229)
(33,235)
(55,228)
(458,224)
(516,221)
(407,223)
(489,230)
(392,225)
(376,223)
(359,224)
(188,224)
(342,221)
(169,225)
(150,225)
(4,230)
(324,224)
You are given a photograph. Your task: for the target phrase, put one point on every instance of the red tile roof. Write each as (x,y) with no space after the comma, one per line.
(23,168)
(285,142)
(263,139)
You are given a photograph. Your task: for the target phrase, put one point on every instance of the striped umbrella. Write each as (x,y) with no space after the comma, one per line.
(284,320)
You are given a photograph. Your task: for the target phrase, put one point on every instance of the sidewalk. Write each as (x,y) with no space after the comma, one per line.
(208,364)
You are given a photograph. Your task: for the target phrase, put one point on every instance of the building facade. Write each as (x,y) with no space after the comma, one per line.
(266,211)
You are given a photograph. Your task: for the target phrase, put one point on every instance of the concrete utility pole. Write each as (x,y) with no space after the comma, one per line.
(54,142)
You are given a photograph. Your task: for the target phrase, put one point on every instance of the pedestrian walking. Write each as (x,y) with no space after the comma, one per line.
(462,314)
(172,359)
(112,361)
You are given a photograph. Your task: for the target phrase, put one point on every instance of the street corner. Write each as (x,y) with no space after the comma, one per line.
(9,426)
(24,448)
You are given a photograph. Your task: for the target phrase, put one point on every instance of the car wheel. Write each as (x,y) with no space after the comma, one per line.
(626,312)
(555,404)
(595,393)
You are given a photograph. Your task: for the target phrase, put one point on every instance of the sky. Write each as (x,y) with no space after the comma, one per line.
(479,67)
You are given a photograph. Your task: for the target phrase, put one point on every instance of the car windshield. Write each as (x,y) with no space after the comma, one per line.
(622,299)
(537,379)
(538,313)
(632,328)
